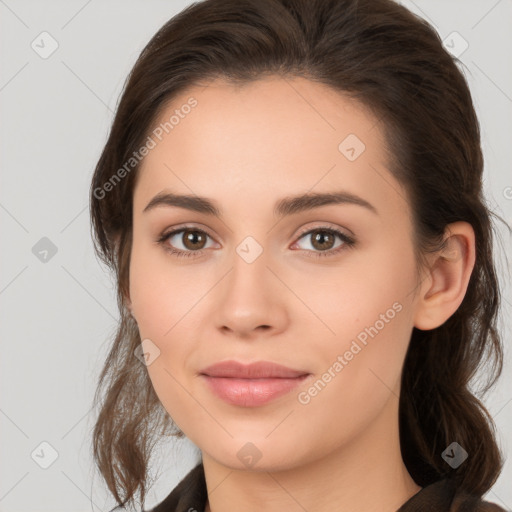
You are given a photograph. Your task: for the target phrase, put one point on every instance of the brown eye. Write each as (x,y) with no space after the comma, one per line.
(193,239)
(184,241)
(322,240)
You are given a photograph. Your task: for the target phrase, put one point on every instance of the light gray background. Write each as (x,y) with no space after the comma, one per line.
(57,316)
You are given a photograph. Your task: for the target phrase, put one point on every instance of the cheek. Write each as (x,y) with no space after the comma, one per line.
(163,297)
(169,383)
(371,288)
(369,309)
(161,292)
(357,381)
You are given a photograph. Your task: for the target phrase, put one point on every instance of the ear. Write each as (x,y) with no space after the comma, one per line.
(444,287)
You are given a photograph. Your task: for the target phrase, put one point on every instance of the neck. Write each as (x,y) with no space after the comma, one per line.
(365,475)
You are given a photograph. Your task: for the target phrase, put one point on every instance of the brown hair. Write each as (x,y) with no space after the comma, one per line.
(392,62)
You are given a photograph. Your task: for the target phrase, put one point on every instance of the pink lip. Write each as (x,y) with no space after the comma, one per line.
(251,385)
(258,370)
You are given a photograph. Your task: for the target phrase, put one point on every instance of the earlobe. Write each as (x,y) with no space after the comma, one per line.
(445,286)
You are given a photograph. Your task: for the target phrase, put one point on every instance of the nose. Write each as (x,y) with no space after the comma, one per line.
(251,299)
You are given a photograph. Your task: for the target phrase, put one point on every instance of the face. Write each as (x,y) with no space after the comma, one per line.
(325,289)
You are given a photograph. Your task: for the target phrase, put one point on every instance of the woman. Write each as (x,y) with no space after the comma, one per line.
(291,200)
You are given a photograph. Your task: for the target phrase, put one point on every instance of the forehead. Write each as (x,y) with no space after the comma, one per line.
(266,139)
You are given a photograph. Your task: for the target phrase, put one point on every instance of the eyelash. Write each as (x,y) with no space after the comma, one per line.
(348,242)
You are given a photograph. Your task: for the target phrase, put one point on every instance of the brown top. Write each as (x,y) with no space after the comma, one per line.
(190,496)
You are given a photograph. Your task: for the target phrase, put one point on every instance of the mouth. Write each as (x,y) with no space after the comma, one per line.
(258,370)
(251,385)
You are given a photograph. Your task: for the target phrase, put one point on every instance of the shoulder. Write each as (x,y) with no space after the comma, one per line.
(443,496)
(463,502)
(190,496)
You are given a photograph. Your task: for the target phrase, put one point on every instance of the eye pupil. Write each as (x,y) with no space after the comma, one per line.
(320,237)
(192,237)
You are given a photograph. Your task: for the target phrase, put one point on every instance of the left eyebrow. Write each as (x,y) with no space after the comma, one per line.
(283,207)
(296,204)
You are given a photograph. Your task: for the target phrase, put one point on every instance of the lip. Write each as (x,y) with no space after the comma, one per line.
(257,370)
(251,385)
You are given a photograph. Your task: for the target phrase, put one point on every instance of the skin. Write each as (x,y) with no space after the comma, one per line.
(246,148)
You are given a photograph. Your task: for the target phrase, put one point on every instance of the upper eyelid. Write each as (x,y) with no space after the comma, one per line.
(325,226)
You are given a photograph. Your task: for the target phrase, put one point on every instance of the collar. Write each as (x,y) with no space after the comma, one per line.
(190,495)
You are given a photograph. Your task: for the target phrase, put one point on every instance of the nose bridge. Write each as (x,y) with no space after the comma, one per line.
(249,264)
(248,293)
(250,250)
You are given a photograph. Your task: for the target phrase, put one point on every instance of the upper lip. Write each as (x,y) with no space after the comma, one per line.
(258,370)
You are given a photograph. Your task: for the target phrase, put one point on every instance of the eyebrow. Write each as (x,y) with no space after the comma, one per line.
(286,206)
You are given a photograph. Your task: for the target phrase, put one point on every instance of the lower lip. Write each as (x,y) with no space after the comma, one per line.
(251,392)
